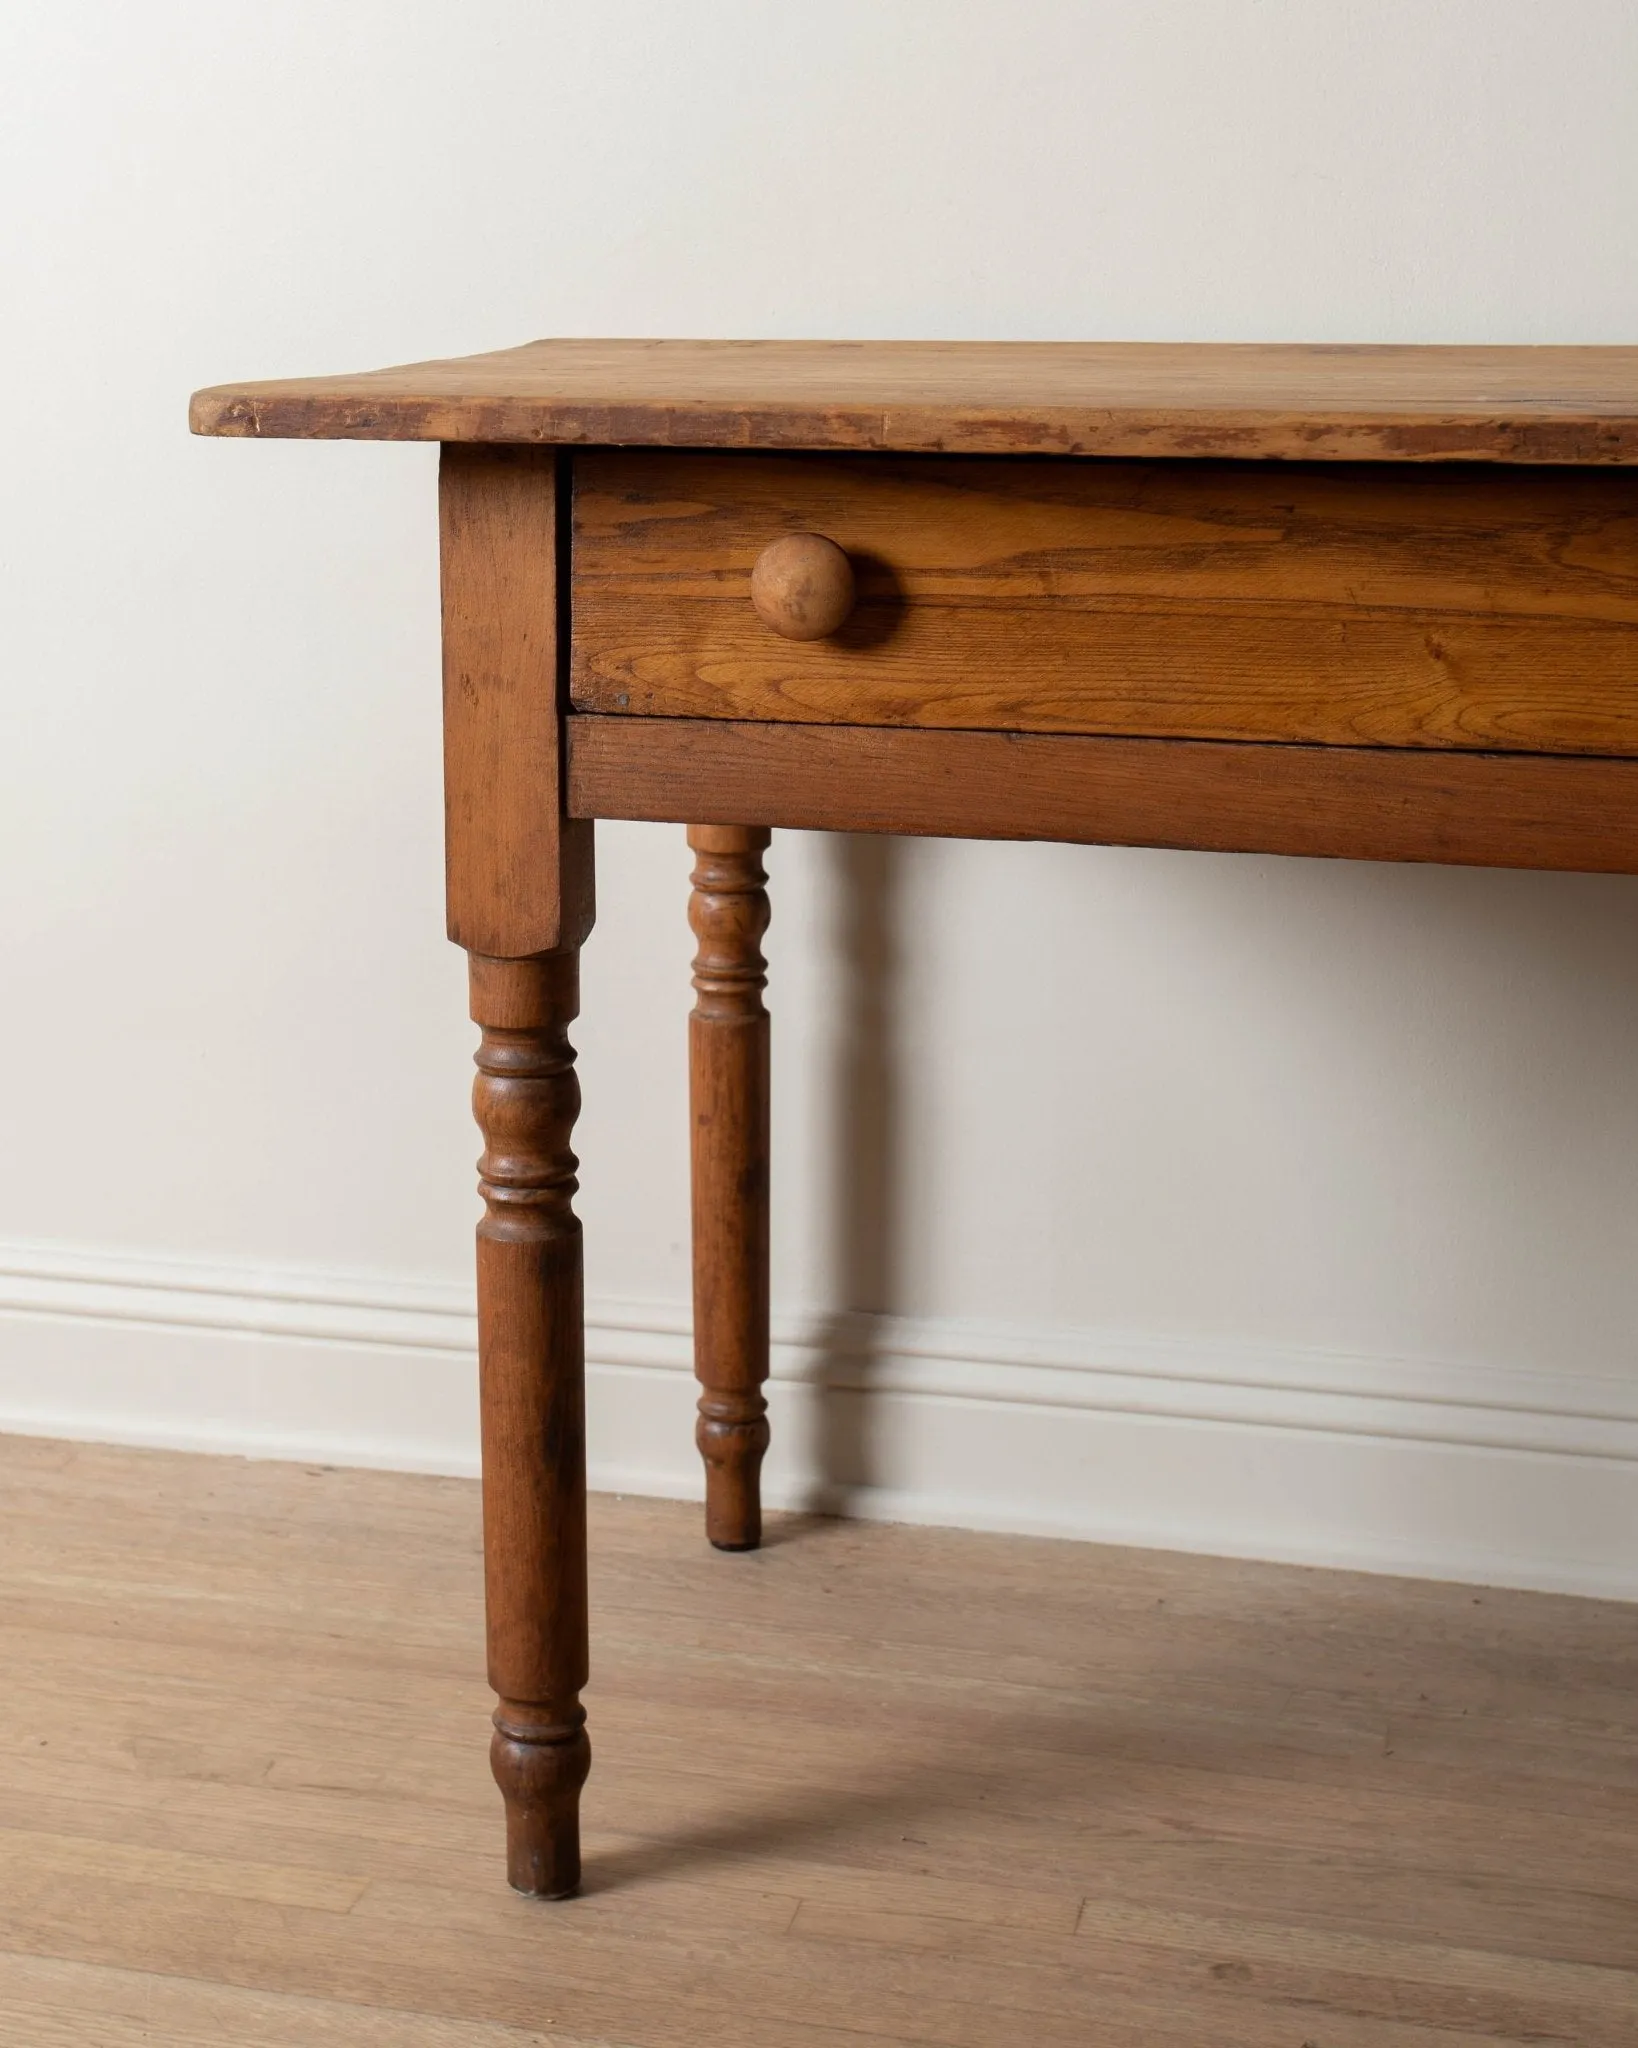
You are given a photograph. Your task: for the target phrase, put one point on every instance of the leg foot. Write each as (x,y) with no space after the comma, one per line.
(733,1446)
(540,1767)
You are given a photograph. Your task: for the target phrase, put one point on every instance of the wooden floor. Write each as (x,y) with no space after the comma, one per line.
(869,1785)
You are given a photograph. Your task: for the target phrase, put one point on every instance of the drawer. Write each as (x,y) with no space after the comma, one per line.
(1385,605)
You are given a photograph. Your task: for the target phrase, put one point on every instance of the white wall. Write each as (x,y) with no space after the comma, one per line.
(1246,1204)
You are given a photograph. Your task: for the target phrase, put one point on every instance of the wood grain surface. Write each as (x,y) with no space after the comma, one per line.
(1362,605)
(1175,1802)
(519,874)
(1357,803)
(1295,402)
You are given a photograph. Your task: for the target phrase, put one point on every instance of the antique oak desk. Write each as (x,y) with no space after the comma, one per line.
(1372,602)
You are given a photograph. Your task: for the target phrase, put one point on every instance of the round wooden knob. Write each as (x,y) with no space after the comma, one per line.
(802,586)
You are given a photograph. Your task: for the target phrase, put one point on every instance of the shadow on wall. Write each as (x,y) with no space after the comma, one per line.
(1476,1025)
(868,872)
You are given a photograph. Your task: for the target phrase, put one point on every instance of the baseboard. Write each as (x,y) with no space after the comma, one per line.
(1331,1458)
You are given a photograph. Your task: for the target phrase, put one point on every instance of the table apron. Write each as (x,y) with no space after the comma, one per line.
(1359,803)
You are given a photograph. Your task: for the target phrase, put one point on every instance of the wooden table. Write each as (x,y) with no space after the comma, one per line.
(1372,602)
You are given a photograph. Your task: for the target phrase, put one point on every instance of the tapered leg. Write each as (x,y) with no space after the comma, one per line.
(531,1349)
(728,1096)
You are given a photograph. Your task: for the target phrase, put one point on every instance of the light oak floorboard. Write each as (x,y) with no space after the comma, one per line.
(866,1785)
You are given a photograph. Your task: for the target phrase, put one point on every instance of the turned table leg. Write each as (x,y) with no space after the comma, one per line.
(728,1101)
(532,1381)
(521,895)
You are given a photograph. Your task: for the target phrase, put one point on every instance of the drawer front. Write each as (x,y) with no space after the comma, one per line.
(1381,605)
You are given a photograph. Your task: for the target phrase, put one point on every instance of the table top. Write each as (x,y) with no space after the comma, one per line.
(1255,400)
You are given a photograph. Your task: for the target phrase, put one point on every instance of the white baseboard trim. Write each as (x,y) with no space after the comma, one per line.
(1445,1470)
